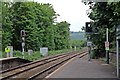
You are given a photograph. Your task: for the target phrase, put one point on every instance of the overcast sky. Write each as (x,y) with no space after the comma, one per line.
(72,11)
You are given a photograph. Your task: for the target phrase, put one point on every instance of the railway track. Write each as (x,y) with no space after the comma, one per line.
(39,68)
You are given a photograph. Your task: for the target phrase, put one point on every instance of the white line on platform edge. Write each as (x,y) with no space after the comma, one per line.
(59,68)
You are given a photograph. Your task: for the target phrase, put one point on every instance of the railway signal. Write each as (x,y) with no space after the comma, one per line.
(91,28)
(23,35)
(23,42)
(88,27)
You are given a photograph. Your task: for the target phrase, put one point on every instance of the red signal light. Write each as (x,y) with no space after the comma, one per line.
(22,33)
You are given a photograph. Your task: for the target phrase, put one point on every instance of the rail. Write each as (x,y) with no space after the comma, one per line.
(39,67)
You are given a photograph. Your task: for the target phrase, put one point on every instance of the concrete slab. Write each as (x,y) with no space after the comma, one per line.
(81,68)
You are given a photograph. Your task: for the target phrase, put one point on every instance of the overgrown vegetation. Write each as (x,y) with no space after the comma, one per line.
(78,43)
(38,21)
(36,54)
(41,29)
(106,15)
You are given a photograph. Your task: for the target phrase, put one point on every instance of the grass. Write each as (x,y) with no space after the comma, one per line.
(37,55)
(58,51)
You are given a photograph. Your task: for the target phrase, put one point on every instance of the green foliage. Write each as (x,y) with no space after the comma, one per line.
(58,51)
(78,43)
(96,53)
(93,55)
(106,15)
(6,26)
(17,54)
(3,54)
(62,35)
(36,54)
(38,22)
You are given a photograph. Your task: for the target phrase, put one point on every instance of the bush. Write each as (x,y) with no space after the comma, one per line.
(97,53)
(17,54)
(93,54)
(4,54)
(34,56)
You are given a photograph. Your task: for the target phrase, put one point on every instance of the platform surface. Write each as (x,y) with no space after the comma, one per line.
(81,68)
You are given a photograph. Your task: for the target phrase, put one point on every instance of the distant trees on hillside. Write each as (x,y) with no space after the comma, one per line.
(78,43)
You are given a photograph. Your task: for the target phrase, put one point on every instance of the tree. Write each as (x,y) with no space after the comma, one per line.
(62,35)
(106,15)
(7,31)
(37,20)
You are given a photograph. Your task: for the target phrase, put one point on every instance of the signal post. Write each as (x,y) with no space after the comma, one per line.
(89,43)
(117,49)
(91,28)
(23,42)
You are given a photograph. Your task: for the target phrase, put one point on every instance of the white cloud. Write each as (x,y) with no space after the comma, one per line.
(72,11)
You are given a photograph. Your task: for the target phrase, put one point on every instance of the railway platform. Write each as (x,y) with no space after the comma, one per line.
(10,62)
(81,68)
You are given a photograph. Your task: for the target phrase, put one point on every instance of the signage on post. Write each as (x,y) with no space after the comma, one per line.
(7,49)
(89,43)
(106,45)
(44,51)
(23,44)
(11,51)
(118,32)
(30,51)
